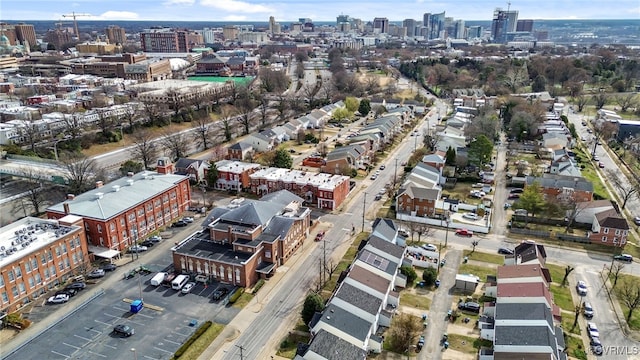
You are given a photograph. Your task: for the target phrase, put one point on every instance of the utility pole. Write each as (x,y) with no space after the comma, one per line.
(241,349)
(364,209)
(324,257)
(395,175)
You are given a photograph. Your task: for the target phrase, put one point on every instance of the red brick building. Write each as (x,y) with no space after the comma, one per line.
(609,228)
(37,255)
(234,175)
(325,191)
(246,240)
(563,188)
(128,209)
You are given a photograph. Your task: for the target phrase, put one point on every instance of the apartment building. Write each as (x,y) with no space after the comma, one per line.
(132,207)
(325,191)
(36,255)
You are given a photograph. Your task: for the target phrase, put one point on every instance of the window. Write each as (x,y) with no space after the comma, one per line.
(99,227)
(53,270)
(149,207)
(23,289)
(18,272)
(49,255)
(58,251)
(5,297)
(27,266)
(32,282)
(75,259)
(64,248)
(121,221)
(604,239)
(112,226)
(267,254)
(78,241)
(46,273)
(43,260)
(61,266)
(11,276)
(34,263)
(1,281)
(617,231)
(14,291)
(66,263)
(72,244)
(606,230)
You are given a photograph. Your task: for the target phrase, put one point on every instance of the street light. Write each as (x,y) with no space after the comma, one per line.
(446,235)
(364,209)
(55,148)
(135,354)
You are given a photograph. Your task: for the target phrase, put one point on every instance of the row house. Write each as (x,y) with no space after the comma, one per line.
(362,306)
(192,168)
(234,175)
(260,142)
(239,151)
(563,188)
(420,192)
(325,191)
(342,160)
(609,228)
(36,255)
(131,208)
(246,240)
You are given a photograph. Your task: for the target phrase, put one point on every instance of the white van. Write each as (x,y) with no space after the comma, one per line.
(158,278)
(179,282)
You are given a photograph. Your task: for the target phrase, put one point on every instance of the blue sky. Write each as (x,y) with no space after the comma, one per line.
(317,10)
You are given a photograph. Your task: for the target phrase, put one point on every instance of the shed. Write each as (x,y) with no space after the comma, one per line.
(466,282)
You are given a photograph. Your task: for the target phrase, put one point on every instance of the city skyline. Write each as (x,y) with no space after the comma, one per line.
(291,10)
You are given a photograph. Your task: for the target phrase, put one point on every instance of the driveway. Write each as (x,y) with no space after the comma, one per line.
(499,218)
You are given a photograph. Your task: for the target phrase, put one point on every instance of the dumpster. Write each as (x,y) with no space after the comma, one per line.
(136,306)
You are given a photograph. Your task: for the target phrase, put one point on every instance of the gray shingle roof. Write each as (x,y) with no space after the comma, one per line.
(253,212)
(384,229)
(145,186)
(282,197)
(387,247)
(382,263)
(241,145)
(525,336)
(332,347)
(523,311)
(359,298)
(279,226)
(551,181)
(345,321)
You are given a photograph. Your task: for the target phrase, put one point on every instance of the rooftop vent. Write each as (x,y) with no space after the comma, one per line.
(116,188)
(99,195)
(130,182)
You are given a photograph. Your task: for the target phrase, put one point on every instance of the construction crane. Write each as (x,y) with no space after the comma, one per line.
(75,22)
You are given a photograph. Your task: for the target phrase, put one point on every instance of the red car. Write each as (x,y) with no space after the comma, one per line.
(464,232)
(319,236)
(601,165)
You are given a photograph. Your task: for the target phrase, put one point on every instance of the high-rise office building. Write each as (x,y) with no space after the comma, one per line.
(58,37)
(524,25)
(503,22)
(436,26)
(458,30)
(25,32)
(9,31)
(230,32)
(169,40)
(116,34)
(208,35)
(474,32)
(381,25)
(410,25)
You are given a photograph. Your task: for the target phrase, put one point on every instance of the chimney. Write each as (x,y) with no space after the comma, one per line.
(66,208)
(130,174)
(99,184)
(70,196)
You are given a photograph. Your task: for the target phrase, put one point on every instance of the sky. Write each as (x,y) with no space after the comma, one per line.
(317,10)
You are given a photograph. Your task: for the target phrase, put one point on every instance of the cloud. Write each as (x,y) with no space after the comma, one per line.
(118,15)
(635,11)
(236,6)
(179,2)
(235,18)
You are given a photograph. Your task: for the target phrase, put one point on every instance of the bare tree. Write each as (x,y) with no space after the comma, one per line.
(600,100)
(581,101)
(371,85)
(626,101)
(573,209)
(218,153)
(226,116)
(626,190)
(202,131)
(153,113)
(264,108)
(35,189)
(322,148)
(144,148)
(423,230)
(73,124)
(174,101)
(131,115)
(567,270)
(81,172)
(282,107)
(615,270)
(30,132)
(245,105)
(176,145)
(105,122)
(403,332)
(629,294)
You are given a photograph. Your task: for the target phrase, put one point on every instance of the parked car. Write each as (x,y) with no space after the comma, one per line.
(109,267)
(587,310)
(429,247)
(464,232)
(187,219)
(188,287)
(220,293)
(137,249)
(516,191)
(595,158)
(69,292)
(76,285)
(505,251)
(155,238)
(147,243)
(636,220)
(601,165)
(420,342)
(179,223)
(374,176)
(469,306)
(97,273)
(623,258)
(592,329)
(320,236)
(58,299)
(584,123)
(470,216)
(514,196)
(581,288)
(124,330)
(382,167)
(377,197)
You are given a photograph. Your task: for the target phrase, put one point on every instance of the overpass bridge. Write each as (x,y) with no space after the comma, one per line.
(34,168)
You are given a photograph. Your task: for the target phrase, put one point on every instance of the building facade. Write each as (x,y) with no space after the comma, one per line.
(36,255)
(25,33)
(131,208)
(116,34)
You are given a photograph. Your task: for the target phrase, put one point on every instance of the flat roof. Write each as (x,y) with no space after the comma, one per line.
(233,166)
(200,245)
(119,195)
(27,235)
(367,278)
(323,181)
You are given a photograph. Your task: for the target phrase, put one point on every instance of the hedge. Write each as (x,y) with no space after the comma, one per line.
(258,286)
(201,330)
(236,295)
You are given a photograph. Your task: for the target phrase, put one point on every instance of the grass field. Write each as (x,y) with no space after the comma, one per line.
(477,270)
(567,324)
(557,272)
(243,300)
(575,348)
(634,323)
(562,297)
(289,345)
(203,342)
(484,257)
(415,301)
(467,344)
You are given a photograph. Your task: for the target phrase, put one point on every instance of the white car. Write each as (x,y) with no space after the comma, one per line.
(429,247)
(137,248)
(187,219)
(188,287)
(58,299)
(470,216)
(593,330)
(581,288)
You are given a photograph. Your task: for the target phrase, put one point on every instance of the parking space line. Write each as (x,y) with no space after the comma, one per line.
(163,350)
(102,322)
(137,323)
(73,346)
(95,353)
(92,329)
(82,337)
(63,355)
(171,341)
(152,358)
(145,316)
(117,308)
(112,316)
(111,346)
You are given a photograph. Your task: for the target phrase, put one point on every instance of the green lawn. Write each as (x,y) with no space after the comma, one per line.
(467,344)
(484,257)
(567,324)
(557,272)
(634,323)
(243,300)
(477,270)
(289,345)
(562,297)
(416,301)
(575,347)
(203,342)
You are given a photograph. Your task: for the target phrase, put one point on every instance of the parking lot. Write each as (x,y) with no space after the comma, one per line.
(88,333)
